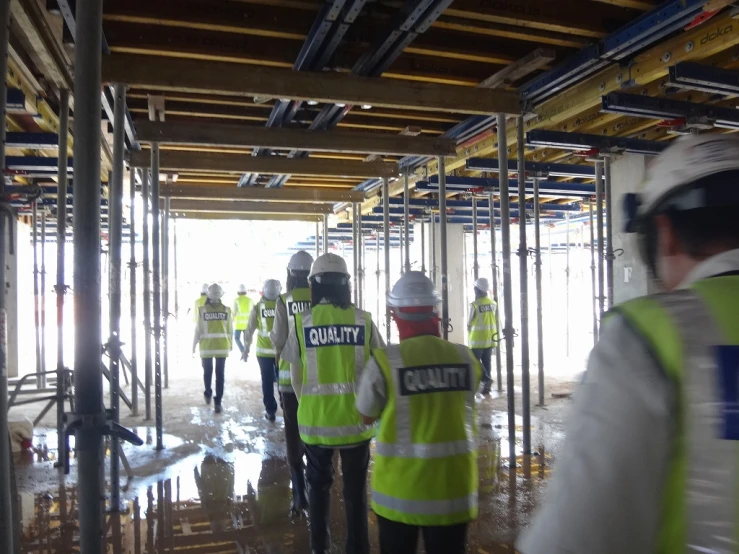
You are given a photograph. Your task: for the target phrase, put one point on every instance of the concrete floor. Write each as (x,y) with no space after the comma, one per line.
(222,484)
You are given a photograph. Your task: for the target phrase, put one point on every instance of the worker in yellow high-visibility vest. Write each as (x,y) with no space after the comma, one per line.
(328,347)
(241,312)
(649,463)
(482,328)
(422,390)
(199,302)
(214,337)
(262,319)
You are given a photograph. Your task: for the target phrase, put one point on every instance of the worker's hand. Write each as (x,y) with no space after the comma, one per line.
(244,356)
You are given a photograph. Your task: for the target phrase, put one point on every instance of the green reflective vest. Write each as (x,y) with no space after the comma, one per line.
(199,303)
(483,329)
(694,335)
(426,458)
(265,320)
(242,310)
(334,346)
(216,331)
(296,302)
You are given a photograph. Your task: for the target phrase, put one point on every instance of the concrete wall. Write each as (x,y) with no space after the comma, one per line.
(631,277)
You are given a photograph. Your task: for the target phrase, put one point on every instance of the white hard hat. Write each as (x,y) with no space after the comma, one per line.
(328,263)
(204,288)
(482,284)
(688,160)
(300,261)
(215,292)
(242,289)
(271,289)
(413,289)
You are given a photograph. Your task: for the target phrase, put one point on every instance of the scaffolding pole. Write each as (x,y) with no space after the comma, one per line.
(432,230)
(505,215)
(115,223)
(355,252)
(36,308)
(609,253)
(146,277)
(599,220)
(594,300)
(360,258)
(386,240)
(423,247)
(378,273)
(61,287)
(318,239)
(567,286)
(132,278)
(87,276)
(165,293)
(157,291)
(444,254)
(325,233)
(176,272)
(401,242)
(539,299)
(494,267)
(523,253)
(475,264)
(407,219)
(42,308)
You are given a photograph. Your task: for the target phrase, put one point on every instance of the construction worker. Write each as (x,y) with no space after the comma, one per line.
(295,301)
(482,327)
(199,302)
(650,457)
(241,311)
(262,318)
(423,391)
(214,336)
(328,348)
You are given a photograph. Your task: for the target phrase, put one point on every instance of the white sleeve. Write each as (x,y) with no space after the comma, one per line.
(296,378)
(372,393)
(280,326)
(606,492)
(376,340)
(251,327)
(291,350)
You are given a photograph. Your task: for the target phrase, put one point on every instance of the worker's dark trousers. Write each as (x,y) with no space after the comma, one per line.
(320,474)
(295,449)
(208,377)
(400,538)
(485,356)
(269,376)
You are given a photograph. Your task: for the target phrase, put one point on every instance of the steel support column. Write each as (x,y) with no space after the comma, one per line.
(132,277)
(325,233)
(386,240)
(443,253)
(355,252)
(523,254)
(423,247)
(599,222)
(361,259)
(494,267)
(175,268)
(539,300)
(156,278)
(609,255)
(505,215)
(61,287)
(475,264)
(594,300)
(36,306)
(146,277)
(432,246)
(42,304)
(318,240)
(165,294)
(567,285)
(87,276)
(407,219)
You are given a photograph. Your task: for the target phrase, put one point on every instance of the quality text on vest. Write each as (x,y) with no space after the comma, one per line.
(486,308)
(435,378)
(268,313)
(215,316)
(334,335)
(296,307)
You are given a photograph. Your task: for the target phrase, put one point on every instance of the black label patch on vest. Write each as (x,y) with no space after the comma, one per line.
(727,358)
(268,313)
(435,378)
(333,335)
(215,316)
(486,308)
(297,307)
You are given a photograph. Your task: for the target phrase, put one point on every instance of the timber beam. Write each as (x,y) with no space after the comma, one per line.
(283,194)
(211,77)
(230,206)
(353,142)
(272,165)
(181,214)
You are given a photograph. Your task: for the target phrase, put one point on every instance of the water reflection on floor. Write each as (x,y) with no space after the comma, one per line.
(226,500)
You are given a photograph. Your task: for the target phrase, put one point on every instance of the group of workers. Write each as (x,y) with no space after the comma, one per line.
(649,461)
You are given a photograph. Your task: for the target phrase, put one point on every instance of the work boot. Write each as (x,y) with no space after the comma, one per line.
(300,498)
(218,408)
(269,417)
(207,399)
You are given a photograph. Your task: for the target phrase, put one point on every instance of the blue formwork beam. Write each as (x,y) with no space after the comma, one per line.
(15,101)
(481,204)
(547,188)
(583,141)
(578,171)
(32,141)
(34,164)
(706,78)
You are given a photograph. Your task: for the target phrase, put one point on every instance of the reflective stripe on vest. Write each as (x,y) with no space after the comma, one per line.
(215,331)
(265,320)
(483,328)
(688,330)
(242,310)
(296,302)
(428,427)
(334,347)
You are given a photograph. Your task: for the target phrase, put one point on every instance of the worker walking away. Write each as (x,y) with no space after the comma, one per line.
(241,312)
(295,301)
(214,336)
(200,302)
(482,327)
(423,392)
(328,348)
(262,318)
(650,456)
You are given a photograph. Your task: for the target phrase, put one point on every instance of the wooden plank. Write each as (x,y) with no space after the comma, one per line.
(270,165)
(283,194)
(519,69)
(228,134)
(212,77)
(240,206)
(246,217)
